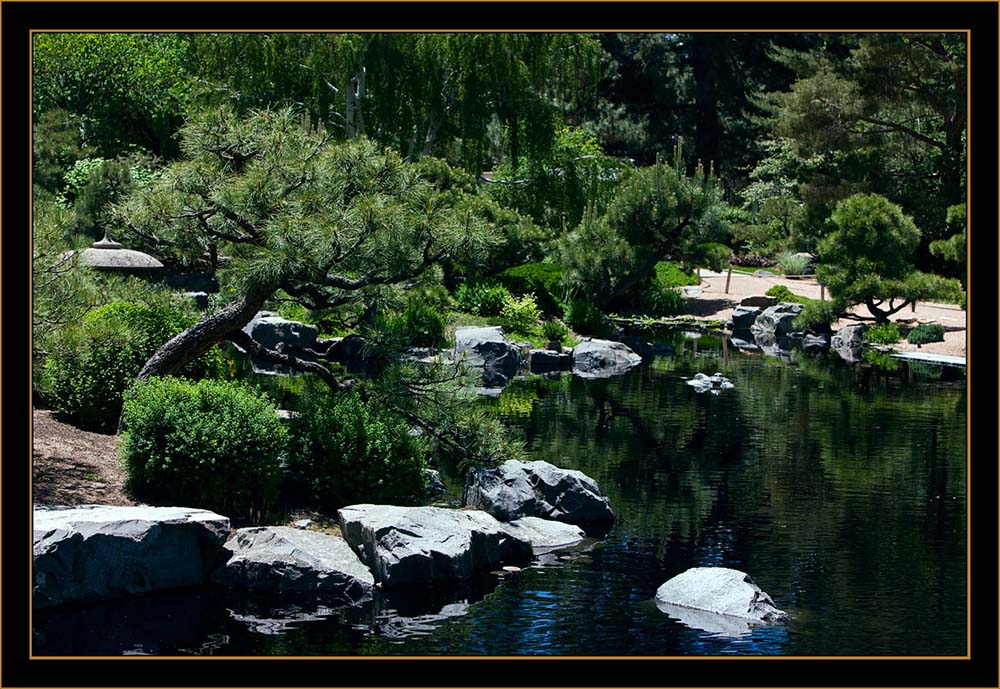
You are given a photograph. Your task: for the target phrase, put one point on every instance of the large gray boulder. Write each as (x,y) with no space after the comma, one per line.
(777,321)
(282,335)
(603,358)
(94,552)
(719,591)
(487,347)
(270,329)
(518,489)
(545,535)
(280,558)
(408,546)
(849,342)
(743,318)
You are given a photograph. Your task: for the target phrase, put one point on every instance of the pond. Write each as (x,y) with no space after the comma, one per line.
(840,489)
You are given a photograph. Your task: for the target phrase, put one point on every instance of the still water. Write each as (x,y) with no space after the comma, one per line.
(839,489)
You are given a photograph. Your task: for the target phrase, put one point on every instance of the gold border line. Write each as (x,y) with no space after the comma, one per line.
(968,193)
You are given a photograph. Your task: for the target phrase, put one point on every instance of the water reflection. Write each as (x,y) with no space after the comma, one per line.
(840,489)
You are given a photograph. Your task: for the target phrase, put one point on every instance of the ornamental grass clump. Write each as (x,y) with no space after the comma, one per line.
(214,445)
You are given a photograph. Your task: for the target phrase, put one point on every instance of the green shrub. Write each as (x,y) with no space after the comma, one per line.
(542,280)
(351,450)
(793,264)
(887,333)
(92,363)
(670,274)
(482,298)
(519,314)
(926,332)
(818,315)
(585,318)
(553,331)
(421,326)
(662,301)
(783,294)
(215,445)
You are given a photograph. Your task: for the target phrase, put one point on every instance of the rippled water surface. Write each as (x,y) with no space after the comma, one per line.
(840,490)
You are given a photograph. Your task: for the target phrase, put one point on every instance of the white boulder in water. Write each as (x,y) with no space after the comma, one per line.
(718,600)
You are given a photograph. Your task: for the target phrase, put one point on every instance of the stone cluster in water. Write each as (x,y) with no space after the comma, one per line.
(713,384)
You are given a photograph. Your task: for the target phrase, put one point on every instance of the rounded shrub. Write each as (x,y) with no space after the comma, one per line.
(519,314)
(792,263)
(421,326)
(215,445)
(785,295)
(887,333)
(926,332)
(553,331)
(92,363)
(585,318)
(351,450)
(542,280)
(482,298)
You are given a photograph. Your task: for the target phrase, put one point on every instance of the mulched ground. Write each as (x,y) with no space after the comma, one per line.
(74,467)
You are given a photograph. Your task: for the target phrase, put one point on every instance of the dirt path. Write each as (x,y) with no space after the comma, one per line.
(74,467)
(713,302)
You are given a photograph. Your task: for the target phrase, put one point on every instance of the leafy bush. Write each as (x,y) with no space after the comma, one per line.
(793,264)
(215,445)
(482,298)
(351,450)
(421,326)
(91,364)
(818,315)
(542,280)
(519,314)
(670,274)
(887,333)
(585,318)
(783,294)
(926,332)
(553,331)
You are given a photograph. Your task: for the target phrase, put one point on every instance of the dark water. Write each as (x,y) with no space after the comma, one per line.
(840,490)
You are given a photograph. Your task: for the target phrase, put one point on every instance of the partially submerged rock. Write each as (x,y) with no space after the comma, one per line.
(743,318)
(487,347)
(94,552)
(518,489)
(545,534)
(849,341)
(407,546)
(717,592)
(603,358)
(279,558)
(714,384)
(776,322)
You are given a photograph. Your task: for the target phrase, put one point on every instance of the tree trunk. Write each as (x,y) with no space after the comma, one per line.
(199,338)
(633,278)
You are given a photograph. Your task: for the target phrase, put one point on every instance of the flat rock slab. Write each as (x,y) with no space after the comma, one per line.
(720,591)
(943,359)
(410,546)
(545,535)
(280,558)
(94,552)
(518,489)
(603,358)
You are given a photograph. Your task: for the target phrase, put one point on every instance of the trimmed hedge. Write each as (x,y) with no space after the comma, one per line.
(351,450)
(541,280)
(215,445)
